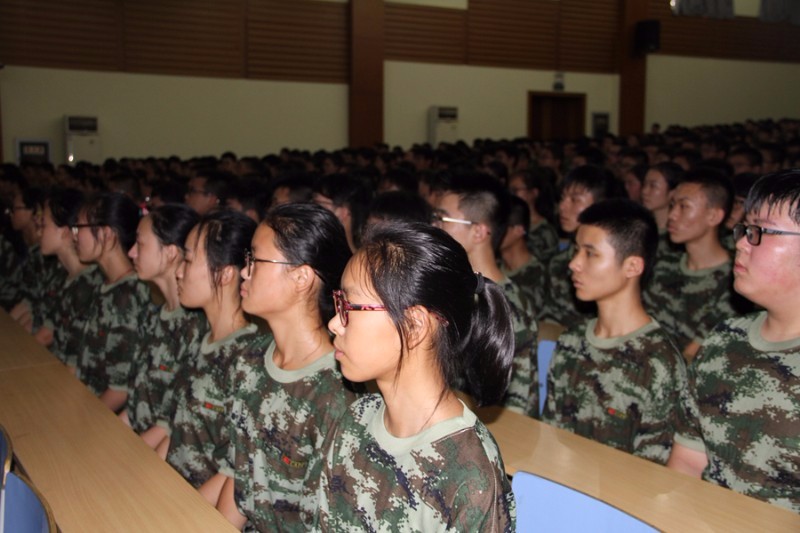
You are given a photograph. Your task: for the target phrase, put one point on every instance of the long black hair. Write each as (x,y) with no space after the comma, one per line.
(172,223)
(118,212)
(413,264)
(227,234)
(307,234)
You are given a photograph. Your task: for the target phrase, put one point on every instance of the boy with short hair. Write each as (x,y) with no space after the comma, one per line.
(518,263)
(616,379)
(474,210)
(690,296)
(582,187)
(741,418)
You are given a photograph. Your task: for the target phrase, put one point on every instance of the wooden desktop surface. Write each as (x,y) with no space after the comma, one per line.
(661,497)
(96,474)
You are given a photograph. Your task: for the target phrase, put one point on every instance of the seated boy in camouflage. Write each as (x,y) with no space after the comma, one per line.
(689,297)
(582,187)
(474,211)
(616,379)
(518,263)
(741,418)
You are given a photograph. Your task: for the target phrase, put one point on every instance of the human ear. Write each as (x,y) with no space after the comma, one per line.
(481,232)
(419,322)
(716,216)
(303,277)
(633,266)
(228,274)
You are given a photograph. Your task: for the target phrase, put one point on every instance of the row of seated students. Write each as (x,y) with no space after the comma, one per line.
(597,402)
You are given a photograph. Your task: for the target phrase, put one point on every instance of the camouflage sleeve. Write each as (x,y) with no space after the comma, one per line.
(717,309)
(523,389)
(557,377)
(688,431)
(124,346)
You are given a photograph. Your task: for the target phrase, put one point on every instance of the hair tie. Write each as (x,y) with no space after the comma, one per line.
(481,283)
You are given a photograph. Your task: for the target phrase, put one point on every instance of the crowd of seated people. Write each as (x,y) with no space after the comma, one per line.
(234,312)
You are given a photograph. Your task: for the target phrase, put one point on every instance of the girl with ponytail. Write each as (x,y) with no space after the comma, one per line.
(414,317)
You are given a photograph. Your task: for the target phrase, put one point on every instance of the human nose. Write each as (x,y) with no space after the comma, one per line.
(134,251)
(335,325)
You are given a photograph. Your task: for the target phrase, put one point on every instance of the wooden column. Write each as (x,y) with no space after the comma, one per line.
(633,70)
(365,124)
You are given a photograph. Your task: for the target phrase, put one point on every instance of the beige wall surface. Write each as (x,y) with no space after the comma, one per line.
(141,115)
(693,91)
(492,102)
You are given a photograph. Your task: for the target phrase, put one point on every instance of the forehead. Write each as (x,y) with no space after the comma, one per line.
(689,191)
(777,215)
(654,175)
(194,241)
(264,238)
(450,202)
(355,281)
(593,235)
(576,190)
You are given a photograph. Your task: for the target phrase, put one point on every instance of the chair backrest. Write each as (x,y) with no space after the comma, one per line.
(6,453)
(544,353)
(544,505)
(25,509)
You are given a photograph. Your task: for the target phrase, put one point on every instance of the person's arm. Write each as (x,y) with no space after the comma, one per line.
(212,488)
(227,505)
(687,461)
(123,416)
(154,436)
(691,350)
(44,336)
(114,399)
(20,311)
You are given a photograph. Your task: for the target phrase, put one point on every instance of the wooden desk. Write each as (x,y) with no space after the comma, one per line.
(17,347)
(96,474)
(664,499)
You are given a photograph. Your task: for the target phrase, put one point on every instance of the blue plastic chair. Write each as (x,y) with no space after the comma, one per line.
(544,353)
(6,453)
(25,510)
(544,505)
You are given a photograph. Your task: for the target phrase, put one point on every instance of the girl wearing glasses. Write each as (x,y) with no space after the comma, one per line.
(111,340)
(415,318)
(208,279)
(290,391)
(65,318)
(174,332)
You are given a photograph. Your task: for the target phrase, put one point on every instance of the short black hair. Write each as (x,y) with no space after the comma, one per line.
(519,214)
(598,181)
(483,199)
(776,190)
(631,227)
(672,173)
(715,185)
(400,205)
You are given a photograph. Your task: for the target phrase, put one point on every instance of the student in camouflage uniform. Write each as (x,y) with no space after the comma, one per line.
(110,342)
(289,392)
(582,186)
(474,211)
(65,316)
(208,279)
(173,333)
(535,188)
(690,296)
(616,379)
(659,182)
(741,417)
(518,264)
(413,316)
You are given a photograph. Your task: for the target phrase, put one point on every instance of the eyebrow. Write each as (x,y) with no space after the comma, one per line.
(592,246)
(764,221)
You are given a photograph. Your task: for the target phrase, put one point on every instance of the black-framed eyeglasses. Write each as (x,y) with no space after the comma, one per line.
(250,259)
(193,191)
(438,218)
(343,307)
(10,210)
(754,233)
(75,228)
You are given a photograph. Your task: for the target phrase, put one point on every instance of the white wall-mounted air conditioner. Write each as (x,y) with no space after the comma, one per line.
(442,125)
(82,139)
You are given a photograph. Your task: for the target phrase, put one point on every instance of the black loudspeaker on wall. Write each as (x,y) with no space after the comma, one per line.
(648,36)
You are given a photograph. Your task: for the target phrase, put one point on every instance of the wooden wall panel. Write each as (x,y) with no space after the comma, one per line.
(201,37)
(298,40)
(513,33)
(82,34)
(588,35)
(428,34)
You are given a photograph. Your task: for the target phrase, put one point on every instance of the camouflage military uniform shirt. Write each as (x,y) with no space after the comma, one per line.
(110,341)
(530,278)
(623,391)
(523,390)
(172,338)
(448,477)
(68,314)
(42,279)
(743,410)
(543,241)
(689,303)
(667,250)
(561,305)
(280,419)
(200,433)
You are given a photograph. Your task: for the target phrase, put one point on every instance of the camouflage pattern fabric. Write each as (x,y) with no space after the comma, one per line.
(280,419)
(561,305)
(199,429)
(523,390)
(742,408)
(42,279)
(68,314)
(689,303)
(11,284)
(726,240)
(667,250)
(530,278)
(111,339)
(172,339)
(624,392)
(448,477)
(543,241)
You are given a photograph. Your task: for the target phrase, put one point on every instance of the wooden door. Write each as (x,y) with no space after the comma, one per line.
(556,116)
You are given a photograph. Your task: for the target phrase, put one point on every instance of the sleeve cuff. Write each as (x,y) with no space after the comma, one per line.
(693,443)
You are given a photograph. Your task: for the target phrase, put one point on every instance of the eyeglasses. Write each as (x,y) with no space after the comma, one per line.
(754,233)
(75,228)
(343,307)
(193,191)
(10,210)
(438,219)
(250,260)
